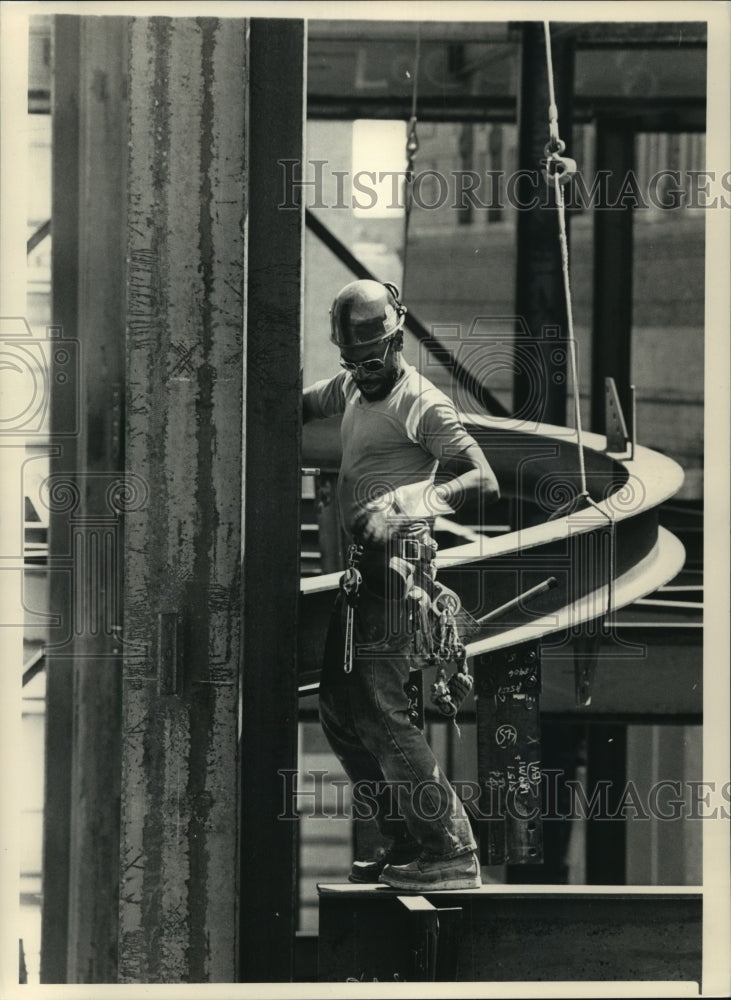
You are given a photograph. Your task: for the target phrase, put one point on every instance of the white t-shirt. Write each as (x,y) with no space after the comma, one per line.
(391,443)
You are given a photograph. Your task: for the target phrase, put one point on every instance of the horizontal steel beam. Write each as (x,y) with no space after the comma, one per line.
(509,934)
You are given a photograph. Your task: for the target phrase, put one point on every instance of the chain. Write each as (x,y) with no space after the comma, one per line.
(412,148)
(350,583)
(448,693)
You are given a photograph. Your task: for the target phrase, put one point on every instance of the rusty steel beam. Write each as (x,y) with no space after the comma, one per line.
(271,513)
(186,211)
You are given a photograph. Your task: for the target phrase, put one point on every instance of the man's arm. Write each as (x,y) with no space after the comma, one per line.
(466,480)
(308,409)
(324,398)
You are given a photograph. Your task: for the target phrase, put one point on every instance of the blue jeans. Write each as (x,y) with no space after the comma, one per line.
(365,717)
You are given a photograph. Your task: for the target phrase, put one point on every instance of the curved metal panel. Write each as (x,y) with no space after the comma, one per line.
(602,557)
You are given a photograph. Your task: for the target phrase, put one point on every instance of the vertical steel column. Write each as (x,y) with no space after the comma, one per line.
(186,210)
(94,538)
(495,147)
(59,664)
(540,365)
(271,518)
(81,822)
(507,690)
(466,149)
(612,325)
(606,780)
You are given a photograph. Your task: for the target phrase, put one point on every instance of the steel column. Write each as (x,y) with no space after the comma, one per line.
(507,689)
(606,779)
(59,665)
(186,210)
(81,822)
(539,297)
(94,528)
(271,511)
(612,322)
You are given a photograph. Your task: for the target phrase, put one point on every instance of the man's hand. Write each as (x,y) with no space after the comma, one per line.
(377,522)
(473,482)
(371,528)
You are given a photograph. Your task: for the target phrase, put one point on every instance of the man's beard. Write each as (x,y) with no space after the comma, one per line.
(381,389)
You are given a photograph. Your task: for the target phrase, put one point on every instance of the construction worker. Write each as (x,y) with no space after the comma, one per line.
(398,431)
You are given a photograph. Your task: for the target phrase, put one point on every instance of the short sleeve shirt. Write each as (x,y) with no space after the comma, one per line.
(388,443)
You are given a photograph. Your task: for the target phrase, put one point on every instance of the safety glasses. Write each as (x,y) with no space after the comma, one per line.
(370,365)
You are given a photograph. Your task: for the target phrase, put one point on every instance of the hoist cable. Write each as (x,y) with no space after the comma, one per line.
(415,82)
(552,106)
(556,147)
(570,319)
(412,147)
(556,169)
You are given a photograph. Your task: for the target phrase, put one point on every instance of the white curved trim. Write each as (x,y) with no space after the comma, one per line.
(317,584)
(662,563)
(658,478)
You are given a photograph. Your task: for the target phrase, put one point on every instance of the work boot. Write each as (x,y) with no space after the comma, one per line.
(431,874)
(401,852)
